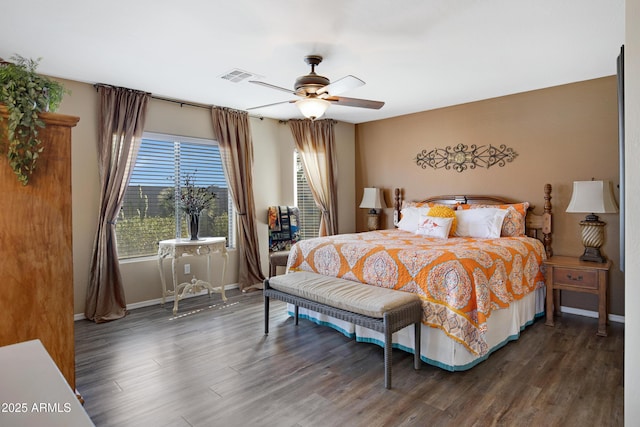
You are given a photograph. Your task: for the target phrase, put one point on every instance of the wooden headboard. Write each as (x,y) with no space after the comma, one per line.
(538,226)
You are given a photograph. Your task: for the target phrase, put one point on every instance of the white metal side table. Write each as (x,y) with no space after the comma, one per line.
(176,248)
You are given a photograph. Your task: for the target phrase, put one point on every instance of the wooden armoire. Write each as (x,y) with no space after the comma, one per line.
(36,257)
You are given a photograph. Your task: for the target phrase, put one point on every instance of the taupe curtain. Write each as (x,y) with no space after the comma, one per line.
(121,122)
(315,141)
(231,130)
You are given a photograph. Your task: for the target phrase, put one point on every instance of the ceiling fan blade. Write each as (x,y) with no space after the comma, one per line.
(272,86)
(271,105)
(341,85)
(355,102)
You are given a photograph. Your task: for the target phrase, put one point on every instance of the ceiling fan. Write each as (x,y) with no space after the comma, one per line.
(317,93)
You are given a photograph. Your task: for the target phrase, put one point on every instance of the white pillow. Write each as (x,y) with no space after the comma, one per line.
(410,217)
(434,226)
(480,223)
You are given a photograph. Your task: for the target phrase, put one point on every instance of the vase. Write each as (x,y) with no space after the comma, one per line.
(193,226)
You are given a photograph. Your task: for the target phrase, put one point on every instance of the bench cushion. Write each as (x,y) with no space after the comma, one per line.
(351,296)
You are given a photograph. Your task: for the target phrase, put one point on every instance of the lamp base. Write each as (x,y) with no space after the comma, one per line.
(373,221)
(592,239)
(592,255)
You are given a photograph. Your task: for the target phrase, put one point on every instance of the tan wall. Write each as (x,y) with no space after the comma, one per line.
(82,102)
(273,181)
(561,135)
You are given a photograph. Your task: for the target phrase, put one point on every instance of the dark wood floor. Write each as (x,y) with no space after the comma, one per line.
(213,366)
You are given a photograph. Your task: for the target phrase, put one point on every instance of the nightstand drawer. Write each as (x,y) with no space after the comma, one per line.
(587,279)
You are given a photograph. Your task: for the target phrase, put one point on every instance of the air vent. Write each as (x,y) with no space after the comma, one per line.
(236,75)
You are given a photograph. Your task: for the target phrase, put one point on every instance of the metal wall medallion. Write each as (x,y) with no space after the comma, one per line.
(463,157)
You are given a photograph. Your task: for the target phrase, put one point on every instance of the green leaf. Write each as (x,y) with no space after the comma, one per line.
(25,94)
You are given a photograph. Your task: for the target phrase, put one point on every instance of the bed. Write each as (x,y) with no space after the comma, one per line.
(480,287)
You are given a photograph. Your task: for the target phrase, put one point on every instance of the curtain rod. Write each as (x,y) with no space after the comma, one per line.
(284,122)
(191,104)
(182,103)
(175,101)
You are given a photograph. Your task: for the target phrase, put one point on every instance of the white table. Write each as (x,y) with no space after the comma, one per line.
(33,392)
(176,248)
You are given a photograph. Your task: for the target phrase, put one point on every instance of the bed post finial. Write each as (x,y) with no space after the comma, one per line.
(397,204)
(546,218)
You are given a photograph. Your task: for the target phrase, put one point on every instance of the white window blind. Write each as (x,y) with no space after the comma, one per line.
(149,213)
(309,212)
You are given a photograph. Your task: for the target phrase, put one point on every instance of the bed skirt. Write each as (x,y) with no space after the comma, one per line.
(437,348)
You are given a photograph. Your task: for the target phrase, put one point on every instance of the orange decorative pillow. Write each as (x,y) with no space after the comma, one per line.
(406,204)
(444,212)
(514,222)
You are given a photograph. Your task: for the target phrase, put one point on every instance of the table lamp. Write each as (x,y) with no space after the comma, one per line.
(592,197)
(372,199)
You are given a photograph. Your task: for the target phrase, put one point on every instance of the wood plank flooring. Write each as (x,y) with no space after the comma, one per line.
(213,366)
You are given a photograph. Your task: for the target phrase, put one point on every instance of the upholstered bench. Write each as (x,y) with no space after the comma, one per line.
(380,309)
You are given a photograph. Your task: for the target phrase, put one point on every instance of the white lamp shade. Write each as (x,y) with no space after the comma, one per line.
(592,197)
(372,199)
(312,108)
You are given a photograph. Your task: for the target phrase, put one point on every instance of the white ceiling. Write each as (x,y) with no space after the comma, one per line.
(415,55)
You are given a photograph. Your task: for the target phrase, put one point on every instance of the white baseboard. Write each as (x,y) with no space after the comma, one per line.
(588,313)
(578,311)
(157,301)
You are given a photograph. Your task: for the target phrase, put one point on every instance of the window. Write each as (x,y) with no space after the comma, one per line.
(309,212)
(149,213)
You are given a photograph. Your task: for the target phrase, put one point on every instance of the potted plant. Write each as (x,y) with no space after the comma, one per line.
(25,94)
(193,200)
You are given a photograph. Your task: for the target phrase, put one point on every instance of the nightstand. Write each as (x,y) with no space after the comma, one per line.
(571,274)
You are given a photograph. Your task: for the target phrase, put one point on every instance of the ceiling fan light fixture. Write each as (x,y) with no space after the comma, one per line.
(312,108)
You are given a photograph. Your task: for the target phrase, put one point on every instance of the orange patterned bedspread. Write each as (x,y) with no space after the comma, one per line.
(460,280)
